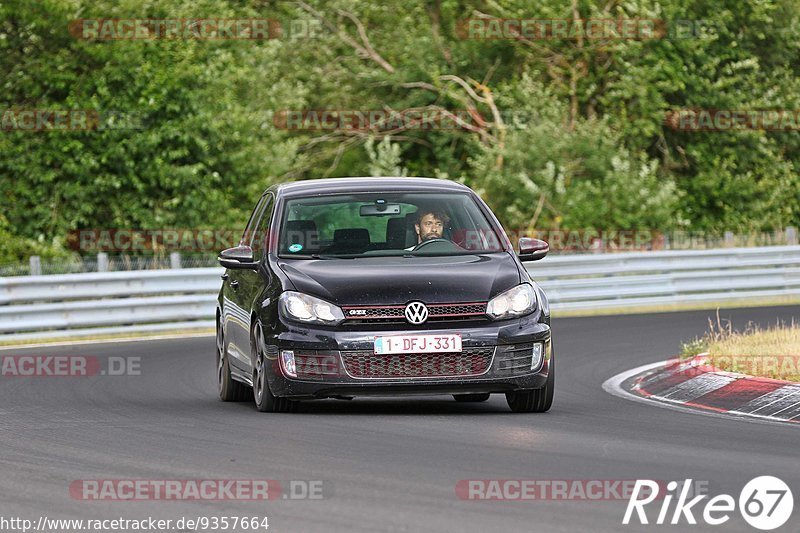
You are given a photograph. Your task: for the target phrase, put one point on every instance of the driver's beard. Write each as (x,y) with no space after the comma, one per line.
(429,236)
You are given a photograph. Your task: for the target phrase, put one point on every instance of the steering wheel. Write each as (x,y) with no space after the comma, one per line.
(436,240)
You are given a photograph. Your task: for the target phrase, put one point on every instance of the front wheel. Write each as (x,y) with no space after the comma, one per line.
(266,402)
(229,389)
(534,400)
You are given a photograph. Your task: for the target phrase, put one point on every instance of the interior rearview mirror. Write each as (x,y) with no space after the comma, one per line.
(379,210)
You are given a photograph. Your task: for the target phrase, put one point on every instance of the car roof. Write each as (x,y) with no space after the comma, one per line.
(365,184)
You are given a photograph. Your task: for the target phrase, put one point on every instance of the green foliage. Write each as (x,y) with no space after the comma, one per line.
(580,141)
(585,177)
(384,159)
(694,347)
(15,249)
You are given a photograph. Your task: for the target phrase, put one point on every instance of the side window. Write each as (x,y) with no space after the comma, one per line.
(247,236)
(260,242)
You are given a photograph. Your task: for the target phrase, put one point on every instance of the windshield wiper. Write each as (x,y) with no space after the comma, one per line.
(323,256)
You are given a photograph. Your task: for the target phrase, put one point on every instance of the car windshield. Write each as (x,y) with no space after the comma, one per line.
(385,224)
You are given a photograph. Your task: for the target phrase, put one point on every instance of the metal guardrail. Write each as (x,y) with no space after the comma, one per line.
(40,307)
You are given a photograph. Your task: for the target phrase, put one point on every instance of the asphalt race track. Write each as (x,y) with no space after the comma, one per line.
(386,464)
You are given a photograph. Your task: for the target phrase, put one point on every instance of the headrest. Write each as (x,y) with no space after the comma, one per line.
(396,233)
(300,232)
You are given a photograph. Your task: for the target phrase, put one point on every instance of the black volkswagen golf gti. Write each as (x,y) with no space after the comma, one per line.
(381,287)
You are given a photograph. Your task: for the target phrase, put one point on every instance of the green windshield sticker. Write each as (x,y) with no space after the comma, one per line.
(295,247)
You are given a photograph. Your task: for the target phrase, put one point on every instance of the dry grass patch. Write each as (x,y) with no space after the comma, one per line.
(772,352)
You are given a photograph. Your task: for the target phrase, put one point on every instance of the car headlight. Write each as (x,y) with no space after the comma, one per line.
(544,303)
(516,301)
(304,308)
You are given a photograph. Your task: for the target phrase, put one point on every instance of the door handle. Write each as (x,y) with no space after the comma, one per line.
(234,284)
(224,276)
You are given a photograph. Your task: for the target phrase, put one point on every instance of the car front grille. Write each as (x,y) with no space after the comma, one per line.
(366,364)
(396,313)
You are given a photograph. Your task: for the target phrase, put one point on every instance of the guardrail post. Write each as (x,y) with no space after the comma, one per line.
(102,262)
(791,235)
(36,265)
(729,239)
(175,260)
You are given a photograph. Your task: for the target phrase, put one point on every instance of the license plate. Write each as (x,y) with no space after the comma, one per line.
(418,344)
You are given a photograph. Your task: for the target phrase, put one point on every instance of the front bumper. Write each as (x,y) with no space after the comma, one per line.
(500,352)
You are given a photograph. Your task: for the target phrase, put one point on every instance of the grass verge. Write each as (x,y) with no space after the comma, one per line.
(772,352)
(101,337)
(678,307)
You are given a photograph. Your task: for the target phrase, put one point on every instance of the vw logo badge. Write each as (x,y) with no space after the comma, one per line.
(416,312)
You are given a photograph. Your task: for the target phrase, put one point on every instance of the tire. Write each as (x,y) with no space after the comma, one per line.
(229,389)
(534,400)
(266,402)
(478,397)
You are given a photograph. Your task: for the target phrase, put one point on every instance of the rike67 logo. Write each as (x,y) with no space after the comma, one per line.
(765,503)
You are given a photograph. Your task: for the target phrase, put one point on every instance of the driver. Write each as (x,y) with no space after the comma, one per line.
(430,225)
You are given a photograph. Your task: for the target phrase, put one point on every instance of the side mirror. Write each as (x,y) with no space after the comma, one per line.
(240,257)
(532,249)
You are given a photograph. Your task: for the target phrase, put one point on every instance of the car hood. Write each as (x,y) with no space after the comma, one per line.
(398,280)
